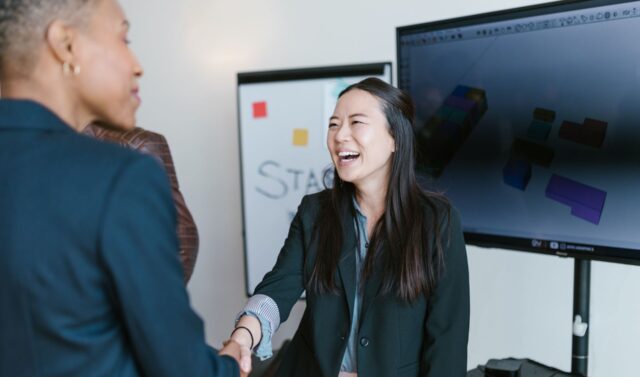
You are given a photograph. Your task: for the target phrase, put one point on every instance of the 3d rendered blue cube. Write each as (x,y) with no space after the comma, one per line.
(539,130)
(517,173)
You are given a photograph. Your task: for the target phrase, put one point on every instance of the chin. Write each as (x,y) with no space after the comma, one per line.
(346,177)
(119,124)
(127,126)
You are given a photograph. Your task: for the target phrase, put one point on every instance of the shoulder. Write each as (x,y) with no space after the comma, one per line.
(98,162)
(313,202)
(443,217)
(97,151)
(136,187)
(437,207)
(133,139)
(311,206)
(146,141)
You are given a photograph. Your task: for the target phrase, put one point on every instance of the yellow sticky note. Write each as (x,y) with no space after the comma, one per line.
(300,137)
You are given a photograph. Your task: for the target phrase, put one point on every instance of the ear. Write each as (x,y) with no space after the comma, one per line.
(60,39)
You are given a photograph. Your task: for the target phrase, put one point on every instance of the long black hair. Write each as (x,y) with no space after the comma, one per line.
(407,239)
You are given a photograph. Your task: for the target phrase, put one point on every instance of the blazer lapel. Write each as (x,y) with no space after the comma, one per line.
(371,289)
(347,269)
(347,264)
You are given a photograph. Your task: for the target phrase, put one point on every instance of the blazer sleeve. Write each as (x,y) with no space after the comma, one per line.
(285,282)
(156,145)
(137,246)
(447,324)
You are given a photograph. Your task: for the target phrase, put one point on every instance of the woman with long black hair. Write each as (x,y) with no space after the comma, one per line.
(382,261)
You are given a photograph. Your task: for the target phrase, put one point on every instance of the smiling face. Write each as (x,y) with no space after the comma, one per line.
(107,84)
(359,141)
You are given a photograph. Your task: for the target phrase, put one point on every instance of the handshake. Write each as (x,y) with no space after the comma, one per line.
(241,342)
(241,353)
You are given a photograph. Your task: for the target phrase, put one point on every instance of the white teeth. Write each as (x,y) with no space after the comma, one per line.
(345,154)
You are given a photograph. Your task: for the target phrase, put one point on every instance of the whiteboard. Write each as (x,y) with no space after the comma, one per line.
(283,118)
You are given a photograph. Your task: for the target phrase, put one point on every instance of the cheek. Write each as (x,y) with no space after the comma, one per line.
(107,92)
(382,145)
(112,74)
(108,66)
(374,140)
(331,143)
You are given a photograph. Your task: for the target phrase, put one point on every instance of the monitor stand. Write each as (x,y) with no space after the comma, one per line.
(581,294)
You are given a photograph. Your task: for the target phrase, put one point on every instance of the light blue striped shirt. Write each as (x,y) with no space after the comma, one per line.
(350,360)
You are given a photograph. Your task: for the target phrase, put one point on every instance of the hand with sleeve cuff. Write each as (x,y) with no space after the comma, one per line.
(247,334)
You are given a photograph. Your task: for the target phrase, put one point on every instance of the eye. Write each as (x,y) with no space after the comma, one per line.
(333,124)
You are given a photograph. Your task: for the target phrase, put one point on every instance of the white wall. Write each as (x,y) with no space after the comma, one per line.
(192,50)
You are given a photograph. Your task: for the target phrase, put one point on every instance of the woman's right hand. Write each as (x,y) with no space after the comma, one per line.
(241,353)
(247,334)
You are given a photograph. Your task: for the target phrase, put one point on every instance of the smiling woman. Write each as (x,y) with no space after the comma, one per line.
(359,140)
(90,282)
(383,263)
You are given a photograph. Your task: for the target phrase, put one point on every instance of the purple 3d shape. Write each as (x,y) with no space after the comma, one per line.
(517,173)
(586,202)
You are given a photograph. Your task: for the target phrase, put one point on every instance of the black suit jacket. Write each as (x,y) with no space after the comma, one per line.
(90,281)
(395,338)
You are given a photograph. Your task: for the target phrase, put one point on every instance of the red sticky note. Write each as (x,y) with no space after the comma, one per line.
(260,109)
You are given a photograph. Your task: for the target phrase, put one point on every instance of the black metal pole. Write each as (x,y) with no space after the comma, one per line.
(581,295)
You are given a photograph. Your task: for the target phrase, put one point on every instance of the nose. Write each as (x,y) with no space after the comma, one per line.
(137,68)
(344,132)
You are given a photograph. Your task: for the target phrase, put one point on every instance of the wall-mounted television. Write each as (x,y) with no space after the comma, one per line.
(529,120)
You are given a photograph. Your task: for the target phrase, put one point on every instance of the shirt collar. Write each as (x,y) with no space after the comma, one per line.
(357,207)
(28,114)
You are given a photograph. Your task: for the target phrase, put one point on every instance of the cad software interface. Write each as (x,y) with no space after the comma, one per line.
(532,125)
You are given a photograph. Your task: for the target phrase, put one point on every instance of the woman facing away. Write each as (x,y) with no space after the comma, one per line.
(90,281)
(383,262)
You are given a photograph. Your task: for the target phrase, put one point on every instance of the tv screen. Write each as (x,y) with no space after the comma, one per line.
(529,121)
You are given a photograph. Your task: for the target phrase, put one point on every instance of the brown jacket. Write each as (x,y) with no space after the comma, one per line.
(156,145)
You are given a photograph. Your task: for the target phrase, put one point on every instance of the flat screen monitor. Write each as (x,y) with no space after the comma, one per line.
(529,121)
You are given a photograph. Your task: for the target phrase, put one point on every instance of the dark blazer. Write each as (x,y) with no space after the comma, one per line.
(156,145)
(90,281)
(395,338)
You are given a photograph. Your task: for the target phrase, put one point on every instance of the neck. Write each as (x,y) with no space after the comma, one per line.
(49,95)
(372,201)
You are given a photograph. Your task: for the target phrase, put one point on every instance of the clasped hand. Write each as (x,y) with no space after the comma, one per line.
(240,352)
